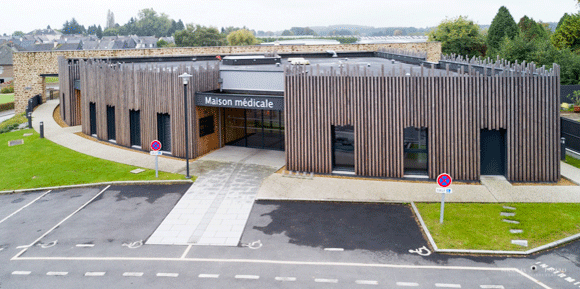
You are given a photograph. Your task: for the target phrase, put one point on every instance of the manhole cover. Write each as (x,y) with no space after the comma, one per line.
(15,142)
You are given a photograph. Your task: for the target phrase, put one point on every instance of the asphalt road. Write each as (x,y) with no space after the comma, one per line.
(93,237)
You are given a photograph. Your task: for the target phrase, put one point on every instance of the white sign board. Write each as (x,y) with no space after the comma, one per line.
(443,190)
(156,153)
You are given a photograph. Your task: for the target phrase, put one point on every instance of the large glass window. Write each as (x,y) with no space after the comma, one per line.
(415,149)
(111,132)
(255,128)
(135,126)
(343,148)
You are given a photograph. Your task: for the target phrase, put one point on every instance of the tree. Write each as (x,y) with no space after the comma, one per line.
(111,32)
(241,37)
(17,33)
(302,31)
(150,23)
(199,36)
(73,27)
(531,30)
(567,35)
(99,32)
(161,43)
(48,27)
(110,20)
(503,24)
(459,36)
(566,15)
(287,33)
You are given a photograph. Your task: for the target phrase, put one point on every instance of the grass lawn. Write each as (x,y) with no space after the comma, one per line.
(6,98)
(480,227)
(572,161)
(51,80)
(42,163)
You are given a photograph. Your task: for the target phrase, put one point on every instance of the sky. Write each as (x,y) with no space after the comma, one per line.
(269,15)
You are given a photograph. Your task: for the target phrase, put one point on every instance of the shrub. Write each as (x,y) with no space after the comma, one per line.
(13,123)
(7,106)
(7,89)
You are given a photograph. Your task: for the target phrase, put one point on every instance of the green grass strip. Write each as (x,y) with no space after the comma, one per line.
(476,226)
(42,163)
(6,98)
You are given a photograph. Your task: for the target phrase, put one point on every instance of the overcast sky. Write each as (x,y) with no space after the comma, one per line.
(26,15)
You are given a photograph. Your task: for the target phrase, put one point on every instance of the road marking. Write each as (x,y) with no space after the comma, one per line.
(443,285)
(167,274)
(253,277)
(208,276)
(185,252)
(85,245)
(16,212)
(408,284)
(334,249)
(326,280)
(290,279)
(132,274)
(21,273)
(56,273)
(492,286)
(95,274)
(367,282)
(59,223)
(23,247)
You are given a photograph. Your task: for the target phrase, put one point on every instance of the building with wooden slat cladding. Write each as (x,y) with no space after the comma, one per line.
(387,114)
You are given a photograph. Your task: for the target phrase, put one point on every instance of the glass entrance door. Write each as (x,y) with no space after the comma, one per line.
(254,128)
(343,148)
(415,150)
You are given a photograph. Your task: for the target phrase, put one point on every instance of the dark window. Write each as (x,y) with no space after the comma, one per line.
(164,131)
(343,148)
(93,118)
(111,123)
(135,125)
(254,128)
(206,126)
(415,149)
(63,107)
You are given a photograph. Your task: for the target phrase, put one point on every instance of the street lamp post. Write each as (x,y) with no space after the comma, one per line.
(185,77)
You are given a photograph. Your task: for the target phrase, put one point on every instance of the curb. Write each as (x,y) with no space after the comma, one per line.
(169,182)
(492,252)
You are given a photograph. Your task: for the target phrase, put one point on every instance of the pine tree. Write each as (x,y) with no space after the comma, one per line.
(503,25)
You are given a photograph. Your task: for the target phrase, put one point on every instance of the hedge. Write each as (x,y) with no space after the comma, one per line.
(7,106)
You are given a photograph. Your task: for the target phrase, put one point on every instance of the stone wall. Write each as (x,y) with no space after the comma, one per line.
(28,66)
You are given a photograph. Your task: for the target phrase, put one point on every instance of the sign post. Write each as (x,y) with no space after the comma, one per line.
(443,180)
(155,151)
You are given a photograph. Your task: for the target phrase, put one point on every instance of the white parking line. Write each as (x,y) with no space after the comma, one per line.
(21,273)
(285,279)
(60,223)
(85,245)
(95,274)
(367,282)
(51,273)
(16,212)
(253,277)
(208,276)
(23,247)
(492,286)
(132,274)
(167,274)
(326,280)
(443,285)
(186,251)
(408,284)
(334,249)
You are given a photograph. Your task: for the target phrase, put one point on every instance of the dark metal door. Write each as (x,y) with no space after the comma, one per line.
(493,152)
(135,124)
(164,131)
(93,117)
(111,123)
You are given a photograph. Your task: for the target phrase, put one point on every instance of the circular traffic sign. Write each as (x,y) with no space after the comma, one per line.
(444,180)
(155,145)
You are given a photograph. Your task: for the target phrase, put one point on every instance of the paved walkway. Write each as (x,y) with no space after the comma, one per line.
(4,115)
(492,189)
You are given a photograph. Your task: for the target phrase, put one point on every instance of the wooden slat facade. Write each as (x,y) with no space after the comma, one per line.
(149,88)
(454,107)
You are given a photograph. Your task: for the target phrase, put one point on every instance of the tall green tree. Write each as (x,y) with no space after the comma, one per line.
(73,27)
(99,31)
(242,37)
(531,30)
(503,25)
(150,24)
(199,36)
(459,36)
(567,35)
